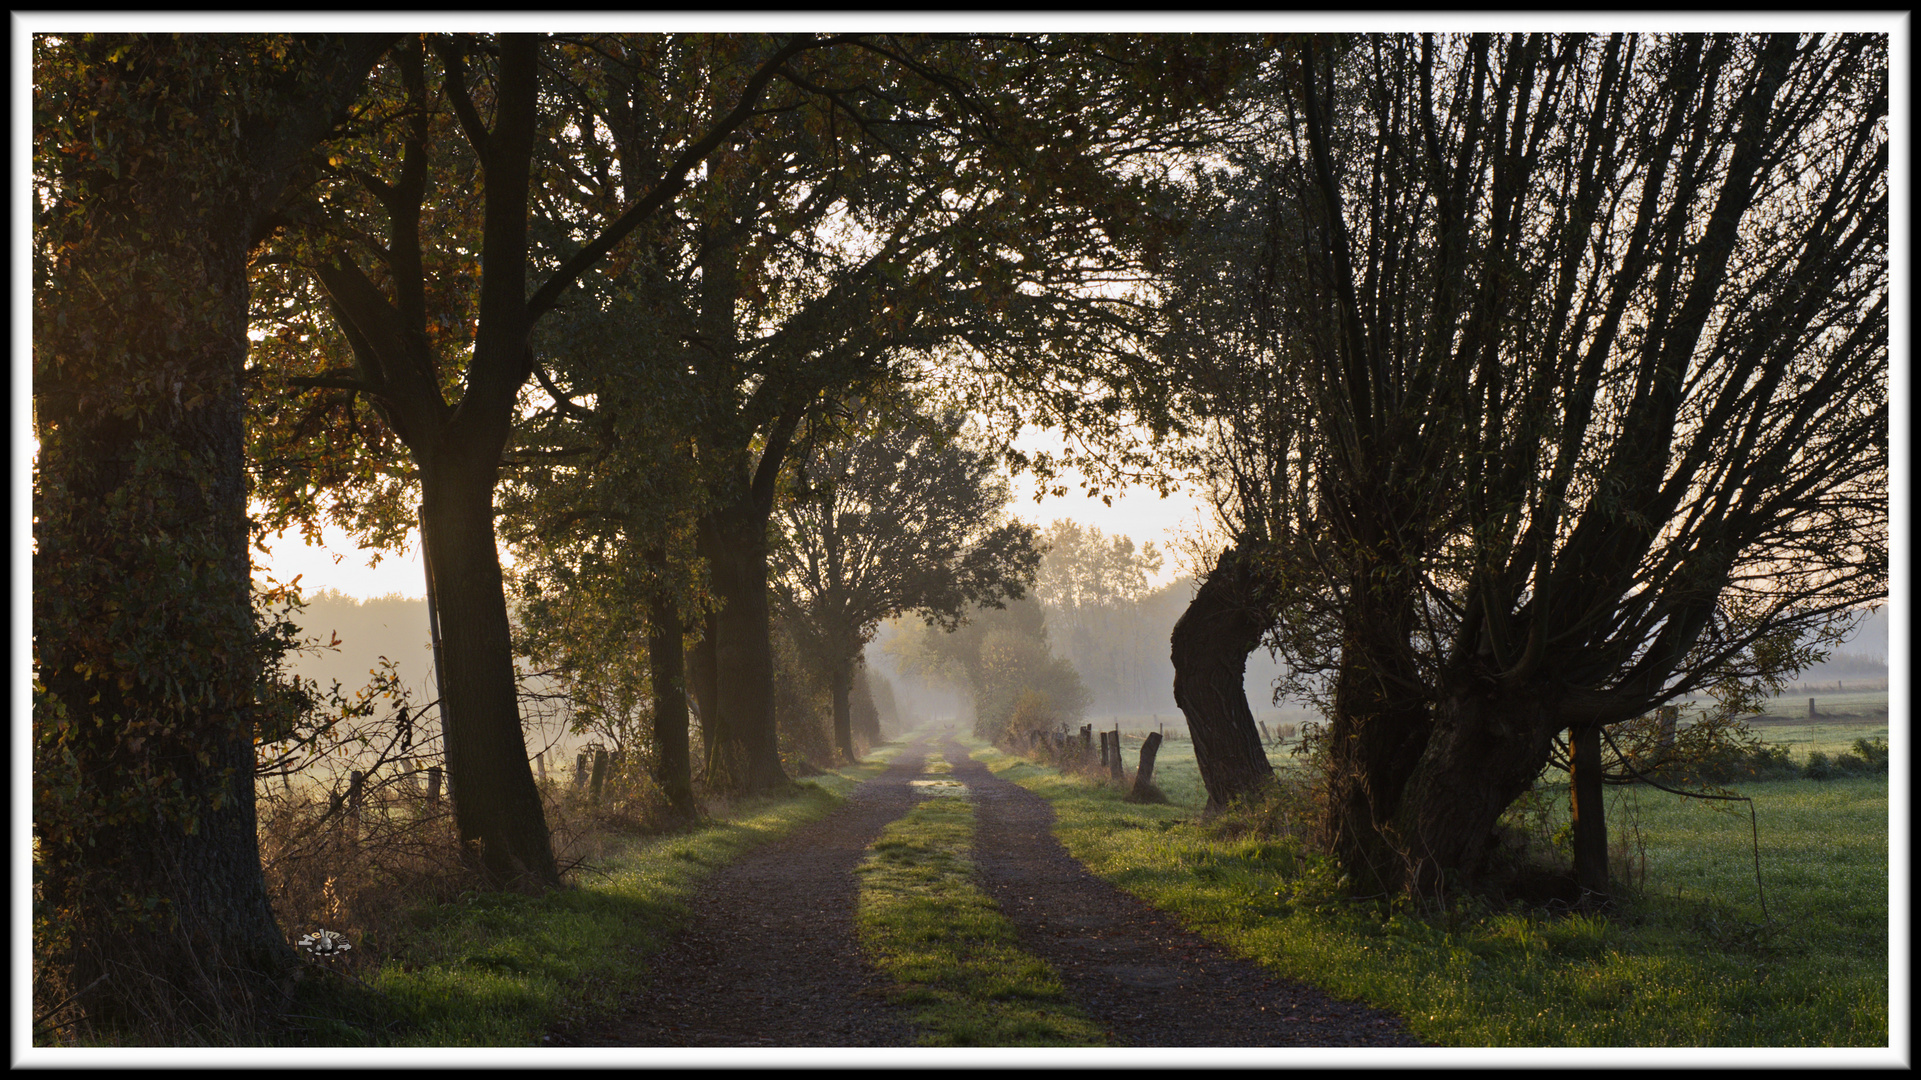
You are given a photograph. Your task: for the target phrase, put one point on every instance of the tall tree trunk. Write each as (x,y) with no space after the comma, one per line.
(841,681)
(1381,721)
(703,672)
(1211,643)
(664,657)
(747,746)
(146,658)
(497,808)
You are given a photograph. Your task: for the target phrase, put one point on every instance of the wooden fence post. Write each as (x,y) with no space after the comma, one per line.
(1144,777)
(1114,759)
(600,774)
(433,785)
(540,762)
(580,770)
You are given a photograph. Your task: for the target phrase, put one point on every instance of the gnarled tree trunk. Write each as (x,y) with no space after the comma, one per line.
(1211,643)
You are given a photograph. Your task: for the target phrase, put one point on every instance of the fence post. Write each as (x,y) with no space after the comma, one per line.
(356,784)
(433,785)
(1114,759)
(540,762)
(580,771)
(600,774)
(1810,708)
(1144,778)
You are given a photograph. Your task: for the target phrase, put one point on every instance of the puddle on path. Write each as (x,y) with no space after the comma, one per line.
(950,788)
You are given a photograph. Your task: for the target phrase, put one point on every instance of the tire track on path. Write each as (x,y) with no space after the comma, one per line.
(1147,979)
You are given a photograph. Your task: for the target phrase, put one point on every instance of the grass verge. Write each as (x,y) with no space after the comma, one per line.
(1687,962)
(954,959)
(497,969)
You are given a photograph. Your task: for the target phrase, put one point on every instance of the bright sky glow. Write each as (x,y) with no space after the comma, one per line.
(1171,523)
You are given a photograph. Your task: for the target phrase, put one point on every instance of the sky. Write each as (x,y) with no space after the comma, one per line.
(1137,512)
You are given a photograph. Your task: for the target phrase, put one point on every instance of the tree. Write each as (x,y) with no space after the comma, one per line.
(157,161)
(905,516)
(455,315)
(913,211)
(1579,350)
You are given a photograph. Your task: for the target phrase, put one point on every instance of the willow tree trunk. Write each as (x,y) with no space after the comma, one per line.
(1211,642)
(1486,747)
(497,808)
(1379,728)
(665,656)
(145,650)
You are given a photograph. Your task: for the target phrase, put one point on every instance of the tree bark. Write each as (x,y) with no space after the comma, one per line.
(1211,642)
(143,626)
(1487,747)
(747,745)
(665,656)
(1589,814)
(702,675)
(842,680)
(497,807)
(1380,726)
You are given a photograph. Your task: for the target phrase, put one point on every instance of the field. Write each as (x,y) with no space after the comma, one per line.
(1691,957)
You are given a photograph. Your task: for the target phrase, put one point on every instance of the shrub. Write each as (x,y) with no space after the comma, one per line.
(1818,766)
(1872,753)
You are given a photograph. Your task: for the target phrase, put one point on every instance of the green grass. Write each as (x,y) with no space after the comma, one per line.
(955,960)
(496,969)
(1688,962)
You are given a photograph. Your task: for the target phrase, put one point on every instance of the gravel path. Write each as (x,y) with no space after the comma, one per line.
(769,957)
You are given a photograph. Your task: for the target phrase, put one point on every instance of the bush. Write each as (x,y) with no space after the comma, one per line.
(1868,757)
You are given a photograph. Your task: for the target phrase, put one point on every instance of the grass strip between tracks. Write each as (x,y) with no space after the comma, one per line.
(955,960)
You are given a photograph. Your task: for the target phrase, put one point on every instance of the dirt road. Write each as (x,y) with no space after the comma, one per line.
(770,958)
